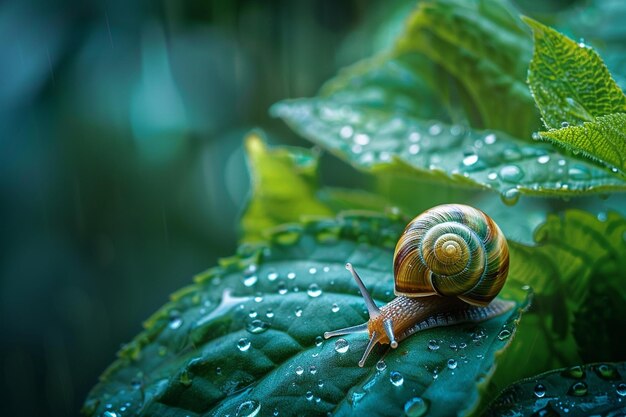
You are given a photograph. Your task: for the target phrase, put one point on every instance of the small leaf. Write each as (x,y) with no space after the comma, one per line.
(570,83)
(284,182)
(486,47)
(603,140)
(577,255)
(383,141)
(578,391)
(247,337)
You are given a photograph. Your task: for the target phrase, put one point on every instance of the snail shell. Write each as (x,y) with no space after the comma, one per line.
(449,264)
(451,250)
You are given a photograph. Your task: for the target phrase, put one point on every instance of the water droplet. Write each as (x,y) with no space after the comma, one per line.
(361,139)
(326,269)
(313,369)
(257,326)
(175,320)
(490,139)
(564,124)
(416,407)
(462,345)
(334,308)
(607,372)
(299,370)
(579,389)
(243,344)
(576,372)
(341,346)
(540,390)
(276,413)
(510,197)
(248,409)
(415,137)
(319,340)
(433,345)
(250,281)
(453,346)
(320,383)
(511,173)
(435,129)
(291,275)
(109,414)
(282,288)
(357,149)
(492,176)
(258,299)
(309,395)
(602,216)
(381,365)
(621,389)
(298,311)
(543,159)
(504,334)
(536,136)
(579,172)
(470,160)
(218,370)
(396,378)
(346,132)
(452,364)
(269,313)
(414,149)
(272,276)
(314,290)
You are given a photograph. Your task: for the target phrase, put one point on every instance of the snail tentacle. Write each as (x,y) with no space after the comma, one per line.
(388,325)
(360,328)
(374,338)
(372,308)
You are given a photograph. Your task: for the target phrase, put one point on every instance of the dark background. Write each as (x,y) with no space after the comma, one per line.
(122,172)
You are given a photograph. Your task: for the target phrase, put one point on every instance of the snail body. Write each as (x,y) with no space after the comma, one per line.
(449,265)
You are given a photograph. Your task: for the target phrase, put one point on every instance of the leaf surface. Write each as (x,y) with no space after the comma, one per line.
(603,140)
(569,81)
(578,391)
(246,338)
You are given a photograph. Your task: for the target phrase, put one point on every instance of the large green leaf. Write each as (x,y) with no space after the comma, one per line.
(577,270)
(283,184)
(487,48)
(384,139)
(569,81)
(246,338)
(579,391)
(603,140)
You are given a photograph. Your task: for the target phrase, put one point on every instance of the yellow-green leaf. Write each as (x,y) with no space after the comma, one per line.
(569,81)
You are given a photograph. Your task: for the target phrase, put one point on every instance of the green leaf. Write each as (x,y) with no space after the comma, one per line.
(603,140)
(382,140)
(247,336)
(486,47)
(283,183)
(577,270)
(594,389)
(569,81)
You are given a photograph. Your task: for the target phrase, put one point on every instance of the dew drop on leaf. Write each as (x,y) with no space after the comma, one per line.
(272,276)
(510,197)
(452,364)
(249,408)
(433,345)
(621,389)
(282,288)
(341,345)
(257,326)
(396,378)
(504,334)
(319,340)
(416,407)
(335,308)
(309,395)
(313,369)
(299,370)
(291,275)
(250,281)
(578,389)
(243,344)
(511,173)
(269,313)
(299,312)
(381,365)
(314,290)
(540,390)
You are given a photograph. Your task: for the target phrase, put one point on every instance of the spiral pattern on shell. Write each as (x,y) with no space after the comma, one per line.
(451,250)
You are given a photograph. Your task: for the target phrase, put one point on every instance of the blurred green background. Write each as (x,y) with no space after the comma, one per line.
(123,173)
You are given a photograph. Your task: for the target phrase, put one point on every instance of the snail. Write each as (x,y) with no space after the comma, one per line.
(449,264)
